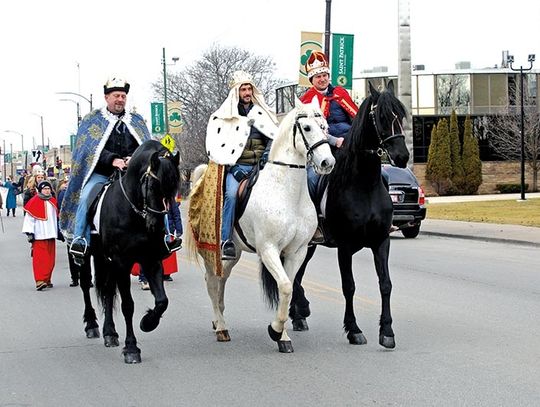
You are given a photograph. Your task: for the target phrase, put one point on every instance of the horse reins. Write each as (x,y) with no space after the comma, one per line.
(382,142)
(144,212)
(309,148)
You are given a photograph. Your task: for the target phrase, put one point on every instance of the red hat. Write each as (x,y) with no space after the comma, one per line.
(316,64)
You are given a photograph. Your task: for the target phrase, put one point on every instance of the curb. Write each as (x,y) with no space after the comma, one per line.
(481,238)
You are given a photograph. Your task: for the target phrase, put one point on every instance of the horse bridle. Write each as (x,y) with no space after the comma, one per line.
(146,209)
(383,142)
(309,148)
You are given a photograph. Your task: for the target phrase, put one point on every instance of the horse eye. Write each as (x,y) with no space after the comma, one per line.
(307,127)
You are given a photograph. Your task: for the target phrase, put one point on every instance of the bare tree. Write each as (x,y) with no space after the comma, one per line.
(505,138)
(203,86)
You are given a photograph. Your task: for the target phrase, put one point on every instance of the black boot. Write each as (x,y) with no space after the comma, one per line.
(228,250)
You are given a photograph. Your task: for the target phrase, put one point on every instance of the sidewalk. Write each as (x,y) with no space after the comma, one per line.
(524,235)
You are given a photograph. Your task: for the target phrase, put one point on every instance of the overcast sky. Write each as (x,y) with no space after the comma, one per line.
(41,43)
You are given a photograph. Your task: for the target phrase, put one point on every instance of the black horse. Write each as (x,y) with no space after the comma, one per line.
(131,230)
(359,209)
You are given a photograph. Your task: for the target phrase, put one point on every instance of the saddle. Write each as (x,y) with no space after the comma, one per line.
(96,193)
(244,192)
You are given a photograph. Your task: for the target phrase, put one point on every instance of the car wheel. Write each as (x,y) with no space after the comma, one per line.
(412,232)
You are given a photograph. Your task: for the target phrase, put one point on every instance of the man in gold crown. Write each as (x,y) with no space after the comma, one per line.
(337,106)
(239,135)
(105,141)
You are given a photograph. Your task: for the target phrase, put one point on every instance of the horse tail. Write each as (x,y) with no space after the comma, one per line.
(190,245)
(198,172)
(269,287)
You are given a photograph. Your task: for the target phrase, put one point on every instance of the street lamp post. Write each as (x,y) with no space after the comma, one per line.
(4,154)
(166,112)
(89,100)
(510,60)
(20,134)
(78,109)
(22,145)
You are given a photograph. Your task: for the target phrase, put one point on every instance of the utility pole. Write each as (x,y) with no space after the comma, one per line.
(521,71)
(166,112)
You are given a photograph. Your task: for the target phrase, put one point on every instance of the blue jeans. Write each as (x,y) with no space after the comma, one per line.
(229,204)
(82,229)
(312,181)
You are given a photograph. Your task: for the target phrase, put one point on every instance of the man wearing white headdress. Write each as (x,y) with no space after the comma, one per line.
(239,135)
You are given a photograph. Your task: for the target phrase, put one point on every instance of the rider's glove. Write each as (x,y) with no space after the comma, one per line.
(31,238)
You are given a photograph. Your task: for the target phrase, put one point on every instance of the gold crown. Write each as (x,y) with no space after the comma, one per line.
(316,64)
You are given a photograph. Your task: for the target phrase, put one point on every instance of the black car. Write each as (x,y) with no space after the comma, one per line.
(408,199)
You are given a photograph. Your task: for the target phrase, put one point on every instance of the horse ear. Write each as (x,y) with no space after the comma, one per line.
(373,91)
(315,104)
(176,158)
(390,86)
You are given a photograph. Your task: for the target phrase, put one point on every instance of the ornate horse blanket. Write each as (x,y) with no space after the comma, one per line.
(92,136)
(206,203)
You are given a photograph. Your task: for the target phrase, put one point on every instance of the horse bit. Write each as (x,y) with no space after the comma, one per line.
(309,148)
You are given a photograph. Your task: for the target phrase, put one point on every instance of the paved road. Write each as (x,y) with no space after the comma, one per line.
(464,315)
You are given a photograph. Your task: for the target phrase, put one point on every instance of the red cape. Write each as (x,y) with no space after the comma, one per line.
(36,207)
(341,96)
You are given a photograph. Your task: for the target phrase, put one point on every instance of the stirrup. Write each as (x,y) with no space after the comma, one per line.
(78,250)
(79,246)
(172,245)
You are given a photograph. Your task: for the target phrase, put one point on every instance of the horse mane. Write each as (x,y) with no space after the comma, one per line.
(387,106)
(285,127)
(348,154)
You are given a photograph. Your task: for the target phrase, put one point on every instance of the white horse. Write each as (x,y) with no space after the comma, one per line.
(279,219)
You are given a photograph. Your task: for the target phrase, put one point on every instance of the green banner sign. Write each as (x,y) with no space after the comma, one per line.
(342,60)
(158,119)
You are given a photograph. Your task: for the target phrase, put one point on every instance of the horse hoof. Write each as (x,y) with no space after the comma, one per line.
(132,357)
(285,347)
(300,325)
(149,322)
(387,341)
(223,336)
(111,341)
(356,338)
(92,333)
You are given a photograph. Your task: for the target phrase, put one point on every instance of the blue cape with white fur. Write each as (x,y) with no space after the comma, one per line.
(93,133)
